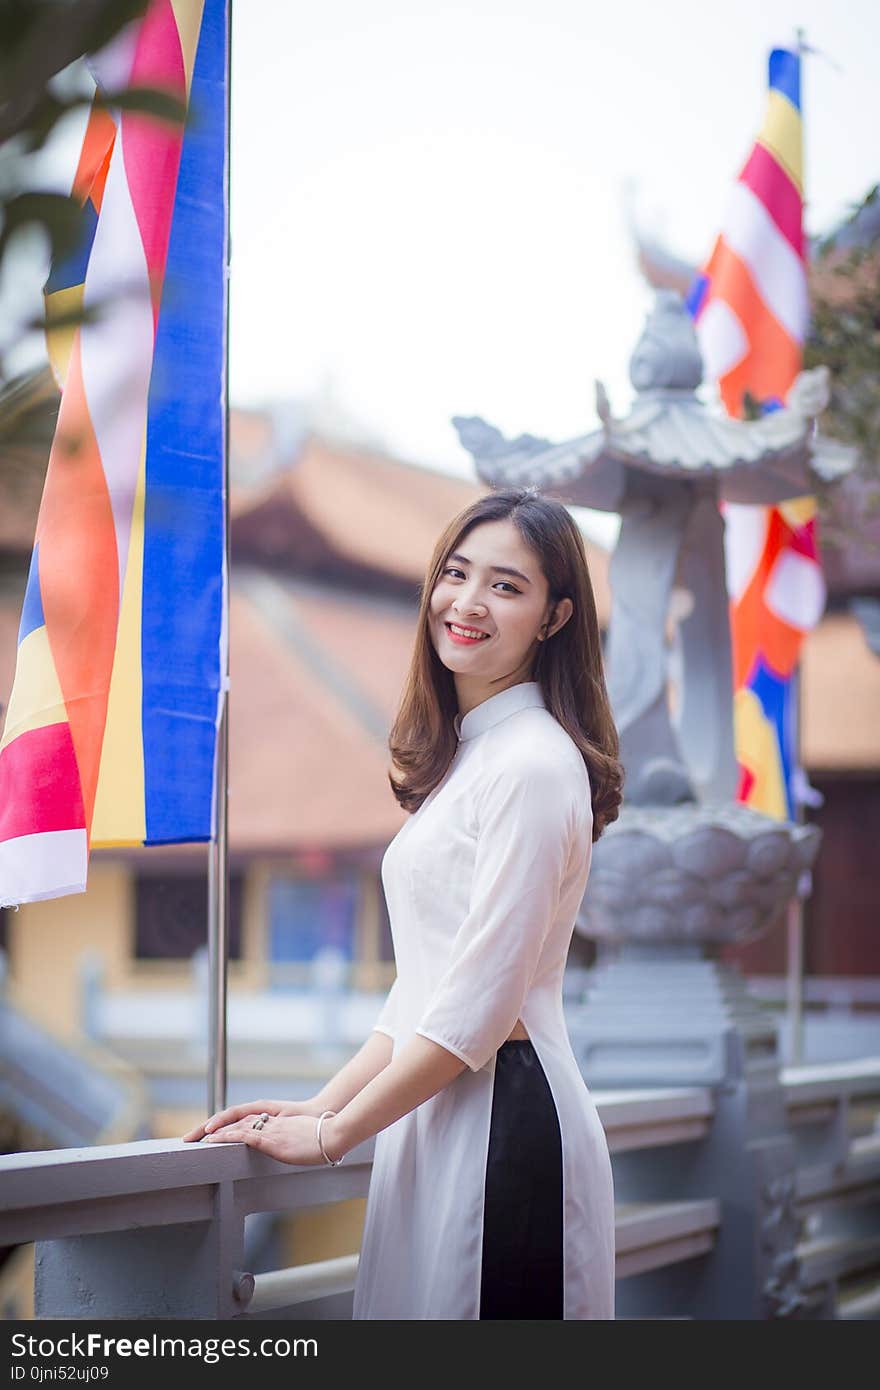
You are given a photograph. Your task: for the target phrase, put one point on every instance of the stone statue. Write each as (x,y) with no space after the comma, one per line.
(664,468)
(685,861)
(685,868)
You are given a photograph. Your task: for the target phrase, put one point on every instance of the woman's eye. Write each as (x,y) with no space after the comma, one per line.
(457,573)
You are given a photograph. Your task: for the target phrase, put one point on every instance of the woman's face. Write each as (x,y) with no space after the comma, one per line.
(491,585)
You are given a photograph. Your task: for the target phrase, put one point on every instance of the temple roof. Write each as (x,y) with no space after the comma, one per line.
(669,433)
(316,675)
(320,640)
(673,434)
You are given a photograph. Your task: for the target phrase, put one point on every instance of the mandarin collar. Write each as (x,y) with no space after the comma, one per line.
(498,707)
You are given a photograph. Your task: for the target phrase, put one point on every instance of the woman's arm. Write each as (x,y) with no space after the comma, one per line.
(531,814)
(525,843)
(531,818)
(418,1072)
(367,1062)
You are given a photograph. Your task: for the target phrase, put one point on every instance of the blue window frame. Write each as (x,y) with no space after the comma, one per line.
(306,915)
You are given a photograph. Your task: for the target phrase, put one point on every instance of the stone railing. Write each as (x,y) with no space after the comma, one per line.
(834,1113)
(157,1228)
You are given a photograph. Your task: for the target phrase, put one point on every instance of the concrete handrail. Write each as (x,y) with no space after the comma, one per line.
(164,1188)
(649,1235)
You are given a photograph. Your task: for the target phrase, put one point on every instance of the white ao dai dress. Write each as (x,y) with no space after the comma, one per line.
(483,884)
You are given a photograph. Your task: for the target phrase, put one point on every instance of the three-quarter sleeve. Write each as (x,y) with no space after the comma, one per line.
(527,820)
(387,1020)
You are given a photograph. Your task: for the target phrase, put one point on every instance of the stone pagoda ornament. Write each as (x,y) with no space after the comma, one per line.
(686,868)
(685,861)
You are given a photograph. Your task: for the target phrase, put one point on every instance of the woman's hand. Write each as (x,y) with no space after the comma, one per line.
(289,1138)
(234,1114)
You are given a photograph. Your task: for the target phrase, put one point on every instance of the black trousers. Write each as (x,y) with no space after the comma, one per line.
(522,1265)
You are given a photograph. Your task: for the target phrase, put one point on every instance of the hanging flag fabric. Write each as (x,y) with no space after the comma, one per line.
(110,733)
(751,311)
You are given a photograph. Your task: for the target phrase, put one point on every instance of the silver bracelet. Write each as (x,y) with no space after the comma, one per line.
(334,1162)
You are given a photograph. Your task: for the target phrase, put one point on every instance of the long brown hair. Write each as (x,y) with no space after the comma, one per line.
(568,667)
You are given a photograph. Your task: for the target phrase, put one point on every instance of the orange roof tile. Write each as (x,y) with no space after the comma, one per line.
(371,508)
(370,641)
(304,771)
(372,511)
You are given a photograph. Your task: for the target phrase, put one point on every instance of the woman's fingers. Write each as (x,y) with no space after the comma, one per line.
(231,1134)
(290,1139)
(230,1116)
(241,1134)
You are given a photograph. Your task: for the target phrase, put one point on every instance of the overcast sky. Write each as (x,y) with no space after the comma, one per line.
(428,198)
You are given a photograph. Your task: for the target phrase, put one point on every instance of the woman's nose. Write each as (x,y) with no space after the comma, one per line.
(466,605)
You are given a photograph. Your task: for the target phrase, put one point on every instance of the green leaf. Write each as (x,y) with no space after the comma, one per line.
(150,101)
(57,214)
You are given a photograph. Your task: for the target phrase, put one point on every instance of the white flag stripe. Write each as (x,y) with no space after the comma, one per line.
(795,590)
(34,867)
(745,535)
(775,266)
(116,383)
(722,338)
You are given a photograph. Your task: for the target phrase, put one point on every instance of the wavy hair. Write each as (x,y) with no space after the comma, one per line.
(569,665)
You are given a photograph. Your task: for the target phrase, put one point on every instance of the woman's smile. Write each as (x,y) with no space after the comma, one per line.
(465,636)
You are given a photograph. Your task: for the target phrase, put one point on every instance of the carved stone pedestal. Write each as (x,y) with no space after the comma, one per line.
(662,1015)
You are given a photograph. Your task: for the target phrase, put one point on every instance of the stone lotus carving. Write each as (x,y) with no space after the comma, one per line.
(693,873)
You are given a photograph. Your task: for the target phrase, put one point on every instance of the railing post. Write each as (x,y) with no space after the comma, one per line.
(176,1270)
(651,1021)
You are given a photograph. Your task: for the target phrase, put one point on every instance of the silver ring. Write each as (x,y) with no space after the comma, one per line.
(260,1121)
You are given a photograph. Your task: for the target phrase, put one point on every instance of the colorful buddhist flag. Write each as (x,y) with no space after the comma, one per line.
(751,311)
(110,733)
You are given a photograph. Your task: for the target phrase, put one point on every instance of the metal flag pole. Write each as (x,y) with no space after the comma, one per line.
(218,920)
(795,915)
(218,850)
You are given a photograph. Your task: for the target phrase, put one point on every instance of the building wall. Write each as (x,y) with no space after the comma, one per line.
(841,916)
(46,943)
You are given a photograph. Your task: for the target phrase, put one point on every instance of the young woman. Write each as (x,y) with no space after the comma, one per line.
(491,1191)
